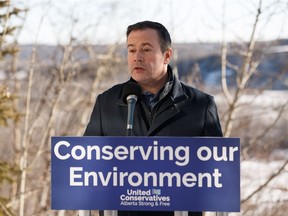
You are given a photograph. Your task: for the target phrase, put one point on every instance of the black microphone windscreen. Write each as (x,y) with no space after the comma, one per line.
(131,89)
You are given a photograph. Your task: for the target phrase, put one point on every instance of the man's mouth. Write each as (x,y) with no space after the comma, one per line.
(138,68)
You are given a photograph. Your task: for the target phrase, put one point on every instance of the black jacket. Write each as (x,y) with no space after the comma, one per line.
(185,111)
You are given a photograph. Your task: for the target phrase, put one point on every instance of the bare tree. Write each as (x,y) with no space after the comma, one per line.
(8,110)
(59,93)
(236,103)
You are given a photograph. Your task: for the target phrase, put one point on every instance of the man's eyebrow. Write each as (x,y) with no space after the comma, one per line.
(146,44)
(130,45)
(143,44)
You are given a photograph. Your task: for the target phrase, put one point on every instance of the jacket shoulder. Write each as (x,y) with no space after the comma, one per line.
(114,92)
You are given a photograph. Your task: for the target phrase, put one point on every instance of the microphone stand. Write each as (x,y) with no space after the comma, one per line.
(131,101)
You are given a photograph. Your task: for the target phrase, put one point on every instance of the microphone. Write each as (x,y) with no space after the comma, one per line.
(131,93)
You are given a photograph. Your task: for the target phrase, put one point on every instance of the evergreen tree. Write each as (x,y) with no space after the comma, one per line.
(8,172)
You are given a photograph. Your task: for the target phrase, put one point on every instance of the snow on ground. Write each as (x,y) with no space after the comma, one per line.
(263,110)
(270,199)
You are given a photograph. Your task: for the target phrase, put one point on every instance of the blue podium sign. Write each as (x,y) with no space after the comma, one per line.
(145,173)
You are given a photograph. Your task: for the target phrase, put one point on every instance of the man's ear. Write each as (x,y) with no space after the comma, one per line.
(168,55)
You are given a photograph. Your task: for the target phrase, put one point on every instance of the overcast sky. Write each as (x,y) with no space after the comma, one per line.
(105,21)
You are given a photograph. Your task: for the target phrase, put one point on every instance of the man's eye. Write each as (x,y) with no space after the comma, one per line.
(147,50)
(131,51)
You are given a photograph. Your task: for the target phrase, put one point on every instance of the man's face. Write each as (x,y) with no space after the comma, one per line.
(146,62)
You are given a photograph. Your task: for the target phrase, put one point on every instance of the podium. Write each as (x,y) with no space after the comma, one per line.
(177,174)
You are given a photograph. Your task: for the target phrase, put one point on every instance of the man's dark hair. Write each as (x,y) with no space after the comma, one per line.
(163,34)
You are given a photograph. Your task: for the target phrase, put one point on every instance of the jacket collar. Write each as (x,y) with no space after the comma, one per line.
(170,107)
(177,95)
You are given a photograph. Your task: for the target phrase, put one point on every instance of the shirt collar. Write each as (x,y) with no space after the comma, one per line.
(150,99)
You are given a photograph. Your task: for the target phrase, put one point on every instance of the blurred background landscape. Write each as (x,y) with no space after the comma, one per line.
(57,56)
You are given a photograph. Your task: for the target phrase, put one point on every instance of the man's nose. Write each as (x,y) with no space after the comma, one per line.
(138,56)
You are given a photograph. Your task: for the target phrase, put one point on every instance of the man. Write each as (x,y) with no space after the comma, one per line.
(167,107)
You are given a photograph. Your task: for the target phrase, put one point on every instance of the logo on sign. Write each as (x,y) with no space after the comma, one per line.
(151,197)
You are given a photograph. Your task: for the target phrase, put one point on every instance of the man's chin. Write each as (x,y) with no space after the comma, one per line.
(140,78)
